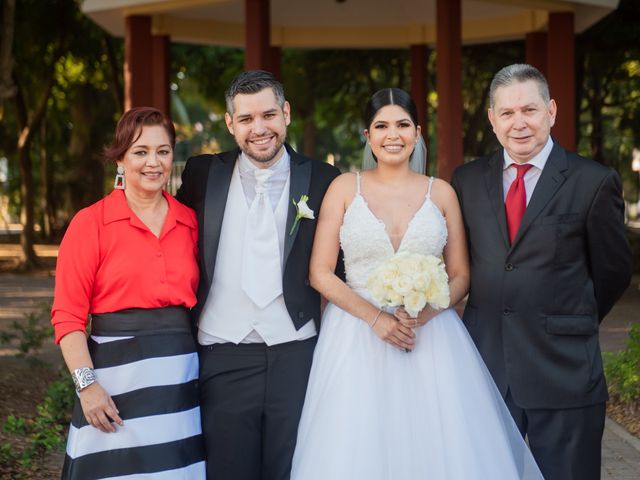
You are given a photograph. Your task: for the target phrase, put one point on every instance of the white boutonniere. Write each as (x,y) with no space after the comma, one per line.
(302,211)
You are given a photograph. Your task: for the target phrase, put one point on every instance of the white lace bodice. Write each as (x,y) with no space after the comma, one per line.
(366,244)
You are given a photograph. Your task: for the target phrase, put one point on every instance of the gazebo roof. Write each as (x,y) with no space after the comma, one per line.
(342,23)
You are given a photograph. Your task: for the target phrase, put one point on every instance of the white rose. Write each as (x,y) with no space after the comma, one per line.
(377,289)
(402,284)
(425,262)
(421,281)
(389,273)
(408,264)
(438,294)
(393,299)
(414,302)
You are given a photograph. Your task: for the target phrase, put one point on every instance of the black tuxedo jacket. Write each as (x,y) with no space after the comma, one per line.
(205,185)
(534,307)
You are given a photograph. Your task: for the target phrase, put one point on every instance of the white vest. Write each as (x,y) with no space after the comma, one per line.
(229,315)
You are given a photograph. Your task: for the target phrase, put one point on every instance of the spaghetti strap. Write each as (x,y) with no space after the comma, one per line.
(428,191)
(358,182)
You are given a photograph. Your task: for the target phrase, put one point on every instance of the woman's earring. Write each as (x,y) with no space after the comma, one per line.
(119,182)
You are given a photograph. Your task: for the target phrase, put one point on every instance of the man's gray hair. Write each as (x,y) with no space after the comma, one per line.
(518,72)
(253,81)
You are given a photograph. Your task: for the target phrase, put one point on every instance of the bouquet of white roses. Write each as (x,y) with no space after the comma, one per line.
(411,280)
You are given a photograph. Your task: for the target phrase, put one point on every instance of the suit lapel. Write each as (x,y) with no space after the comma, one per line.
(215,203)
(300,180)
(493,181)
(551,178)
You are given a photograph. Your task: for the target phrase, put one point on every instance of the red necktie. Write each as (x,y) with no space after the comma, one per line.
(516,202)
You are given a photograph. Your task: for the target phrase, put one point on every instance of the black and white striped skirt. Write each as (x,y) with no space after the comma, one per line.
(147,360)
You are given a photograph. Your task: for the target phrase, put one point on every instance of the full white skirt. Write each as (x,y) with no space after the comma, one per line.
(373,412)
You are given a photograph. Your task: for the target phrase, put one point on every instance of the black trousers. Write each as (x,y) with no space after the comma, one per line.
(251,398)
(566,443)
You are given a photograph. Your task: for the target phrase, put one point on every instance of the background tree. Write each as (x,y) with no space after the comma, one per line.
(7,88)
(479,65)
(329,89)
(608,62)
(33,89)
(61,94)
(61,113)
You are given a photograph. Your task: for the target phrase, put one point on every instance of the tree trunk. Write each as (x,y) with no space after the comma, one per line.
(28,257)
(595,106)
(589,91)
(306,110)
(46,198)
(583,73)
(309,148)
(86,168)
(474,142)
(7,87)
(116,87)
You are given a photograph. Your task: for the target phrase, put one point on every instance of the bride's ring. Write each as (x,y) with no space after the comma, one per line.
(415,323)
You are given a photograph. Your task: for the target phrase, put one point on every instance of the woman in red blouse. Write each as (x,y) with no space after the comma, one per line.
(129,263)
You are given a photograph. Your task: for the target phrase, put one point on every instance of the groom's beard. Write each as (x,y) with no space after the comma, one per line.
(266,155)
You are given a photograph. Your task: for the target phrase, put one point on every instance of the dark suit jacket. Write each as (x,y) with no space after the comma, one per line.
(534,307)
(205,185)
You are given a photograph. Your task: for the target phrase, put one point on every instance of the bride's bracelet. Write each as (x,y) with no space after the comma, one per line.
(376,319)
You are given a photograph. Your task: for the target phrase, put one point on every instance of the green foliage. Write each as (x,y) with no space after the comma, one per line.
(200,75)
(6,454)
(84,102)
(48,429)
(45,432)
(608,91)
(479,65)
(622,369)
(30,333)
(17,425)
(327,89)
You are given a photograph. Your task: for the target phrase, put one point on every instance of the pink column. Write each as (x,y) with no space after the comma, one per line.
(275,62)
(257,35)
(137,62)
(449,85)
(536,50)
(160,45)
(419,56)
(562,77)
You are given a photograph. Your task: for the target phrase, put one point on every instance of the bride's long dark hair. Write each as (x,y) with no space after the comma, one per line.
(394,96)
(390,96)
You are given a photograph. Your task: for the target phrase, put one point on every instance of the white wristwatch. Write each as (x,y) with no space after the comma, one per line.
(83,377)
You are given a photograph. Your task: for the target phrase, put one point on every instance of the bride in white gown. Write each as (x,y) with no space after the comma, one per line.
(372,409)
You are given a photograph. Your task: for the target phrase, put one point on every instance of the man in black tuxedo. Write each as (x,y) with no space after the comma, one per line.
(549,258)
(257,316)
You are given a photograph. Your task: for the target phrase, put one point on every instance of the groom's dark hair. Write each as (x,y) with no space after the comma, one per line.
(253,81)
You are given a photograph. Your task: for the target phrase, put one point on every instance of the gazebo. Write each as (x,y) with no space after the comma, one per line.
(264,27)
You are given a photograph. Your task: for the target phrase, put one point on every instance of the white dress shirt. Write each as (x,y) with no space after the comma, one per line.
(532,176)
(275,184)
(227,302)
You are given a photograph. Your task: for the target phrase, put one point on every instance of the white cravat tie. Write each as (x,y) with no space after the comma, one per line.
(261,267)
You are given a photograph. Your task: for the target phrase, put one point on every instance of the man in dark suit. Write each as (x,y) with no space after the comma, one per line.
(549,258)
(257,316)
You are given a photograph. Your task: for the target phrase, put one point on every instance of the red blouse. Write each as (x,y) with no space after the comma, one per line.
(109,260)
